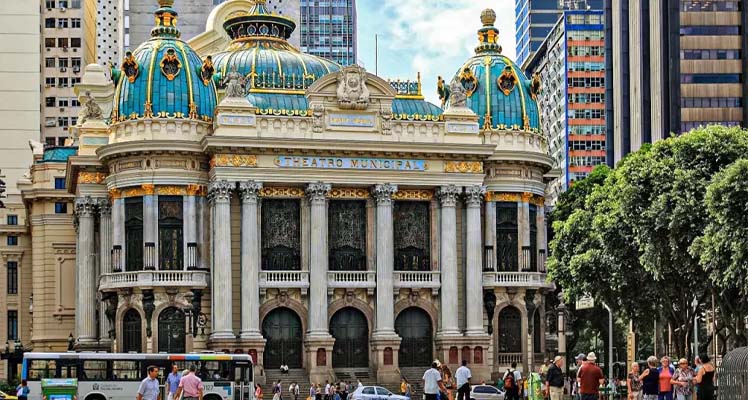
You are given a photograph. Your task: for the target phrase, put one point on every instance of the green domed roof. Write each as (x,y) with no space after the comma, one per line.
(497,89)
(259,50)
(164,77)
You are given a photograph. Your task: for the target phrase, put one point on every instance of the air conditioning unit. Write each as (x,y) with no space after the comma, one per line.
(75,49)
(76,69)
(63,9)
(47,85)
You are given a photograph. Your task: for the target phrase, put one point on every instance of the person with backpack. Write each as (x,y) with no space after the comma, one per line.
(512,380)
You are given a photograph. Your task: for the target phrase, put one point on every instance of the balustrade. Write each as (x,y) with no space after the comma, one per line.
(351,279)
(145,279)
(284,280)
(417,280)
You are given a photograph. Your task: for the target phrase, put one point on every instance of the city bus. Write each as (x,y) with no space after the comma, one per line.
(116,376)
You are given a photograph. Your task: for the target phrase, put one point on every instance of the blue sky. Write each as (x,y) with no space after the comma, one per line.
(431,36)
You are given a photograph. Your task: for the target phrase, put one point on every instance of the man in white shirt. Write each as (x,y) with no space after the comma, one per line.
(432,383)
(463,376)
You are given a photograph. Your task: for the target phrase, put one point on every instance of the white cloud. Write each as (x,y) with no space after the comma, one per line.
(433,37)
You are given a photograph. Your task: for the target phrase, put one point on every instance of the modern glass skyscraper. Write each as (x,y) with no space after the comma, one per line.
(534,20)
(328,29)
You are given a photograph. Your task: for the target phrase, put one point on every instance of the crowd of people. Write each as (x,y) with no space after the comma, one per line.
(330,391)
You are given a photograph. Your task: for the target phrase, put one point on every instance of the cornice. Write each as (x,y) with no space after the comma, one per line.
(148,146)
(527,157)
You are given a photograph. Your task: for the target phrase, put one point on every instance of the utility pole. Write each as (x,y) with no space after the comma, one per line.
(610,341)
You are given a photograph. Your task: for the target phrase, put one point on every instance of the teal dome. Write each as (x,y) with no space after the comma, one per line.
(259,50)
(497,90)
(164,77)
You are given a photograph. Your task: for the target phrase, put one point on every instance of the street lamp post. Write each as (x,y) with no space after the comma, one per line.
(695,305)
(14,356)
(610,341)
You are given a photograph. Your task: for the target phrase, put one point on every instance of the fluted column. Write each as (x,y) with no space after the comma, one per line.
(448,258)
(474,267)
(523,230)
(105,259)
(85,308)
(150,222)
(385,261)
(250,328)
(118,230)
(317,193)
(219,193)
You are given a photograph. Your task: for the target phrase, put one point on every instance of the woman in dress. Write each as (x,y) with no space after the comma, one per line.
(682,380)
(705,379)
(650,380)
(634,384)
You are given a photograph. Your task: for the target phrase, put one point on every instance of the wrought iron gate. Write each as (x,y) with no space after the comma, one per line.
(282,331)
(351,332)
(416,348)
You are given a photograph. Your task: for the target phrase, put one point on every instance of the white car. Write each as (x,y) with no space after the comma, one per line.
(486,392)
(374,393)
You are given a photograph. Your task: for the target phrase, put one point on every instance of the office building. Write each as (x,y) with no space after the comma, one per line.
(570,63)
(673,66)
(534,20)
(328,30)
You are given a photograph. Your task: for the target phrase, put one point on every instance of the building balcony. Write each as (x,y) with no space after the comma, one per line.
(417,280)
(153,279)
(509,358)
(284,280)
(351,280)
(493,279)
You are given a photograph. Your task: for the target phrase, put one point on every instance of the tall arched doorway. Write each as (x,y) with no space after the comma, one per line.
(414,327)
(132,332)
(510,330)
(171,331)
(351,332)
(282,331)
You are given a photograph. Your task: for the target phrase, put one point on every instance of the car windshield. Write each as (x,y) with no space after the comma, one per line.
(368,390)
(484,389)
(382,391)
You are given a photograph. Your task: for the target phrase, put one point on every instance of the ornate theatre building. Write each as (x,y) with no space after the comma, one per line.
(234,194)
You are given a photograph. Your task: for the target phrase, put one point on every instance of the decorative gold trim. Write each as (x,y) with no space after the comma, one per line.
(195,190)
(526,196)
(233,160)
(115,193)
(171,190)
(282,192)
(277,91)
(507,75)
(413,194)
(463,167)
(133,192)
(466,76)
(502,197)
(130,61)
(538,201)
(91,177)
(148,189)
(165,190)
(170,56)
(207,67)
(348,193)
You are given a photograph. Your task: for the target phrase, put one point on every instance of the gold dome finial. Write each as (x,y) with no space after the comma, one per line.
(165,3)
(488,17)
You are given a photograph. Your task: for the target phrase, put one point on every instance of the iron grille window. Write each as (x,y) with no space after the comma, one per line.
(281,235)
(412,225)
(134,233)
(132,331)
(170,232)
(59,183)
(507,240)
(171,331)
(347,235)
(510,330)
(12,277)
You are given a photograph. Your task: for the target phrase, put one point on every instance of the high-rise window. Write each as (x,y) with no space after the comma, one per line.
(49,22)
(12,325)
(12,277)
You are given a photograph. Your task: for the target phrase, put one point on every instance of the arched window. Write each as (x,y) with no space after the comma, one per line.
(537,332)
(416,348)
(132,332)
(510,330)
(171,331)
(282,330)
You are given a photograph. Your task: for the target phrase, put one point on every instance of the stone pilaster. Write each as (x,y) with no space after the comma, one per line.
(317,194)
(474,267)
(219,193)
(85,308)
(523,230)
(150,223)
(105,263)
(189,216)
(448,260)
(250,288)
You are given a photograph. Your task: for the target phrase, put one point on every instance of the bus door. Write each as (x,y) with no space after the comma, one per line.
(244,389)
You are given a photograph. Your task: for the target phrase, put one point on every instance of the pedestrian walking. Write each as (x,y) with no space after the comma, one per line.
(590,378)
(682,380)
(463,376)
(534,386)
(432,382)
(22,391)
(258,392)
(634,384)
(293,391)
(650,380)
(705,379)
(191,386)
(148,389)
(554,379)
(278,391)
(172,383)
(512,381)
(580,359)
(666,373)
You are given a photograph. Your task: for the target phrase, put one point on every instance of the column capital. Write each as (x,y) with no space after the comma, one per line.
(318,191)
(105,208)
(474,194)
(383,192)
(220,190)
(526,197)
(85,206)
(249,190)
(448,195)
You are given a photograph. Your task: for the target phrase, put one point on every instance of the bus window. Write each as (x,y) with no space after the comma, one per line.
(41,369)
(124,370)
(94,370)
(216,371)
(67,369)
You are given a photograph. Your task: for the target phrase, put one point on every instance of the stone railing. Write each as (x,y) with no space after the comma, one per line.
(417,280)
(284,280)
(516,279)
(508,358)
(146,279)
(351,280)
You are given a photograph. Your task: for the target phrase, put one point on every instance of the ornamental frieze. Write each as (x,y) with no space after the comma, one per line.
(349,193)
(414,195)
(463,167)
(282,192)
(351,163)
(91,177)
(165,190)
(515,197)
(233,160)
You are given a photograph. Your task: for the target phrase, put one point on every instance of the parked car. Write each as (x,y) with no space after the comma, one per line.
(5,396)
(374,393)
(486,392)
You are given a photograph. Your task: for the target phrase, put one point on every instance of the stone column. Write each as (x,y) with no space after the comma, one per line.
(385,261)
(219,193)
(523,230)
(150,222)
(189,216)
(541,245)
(118,229)
(85,308)
(474,267)
(489,230)
(317,193)
(105,261)
(250,288)
(448,260)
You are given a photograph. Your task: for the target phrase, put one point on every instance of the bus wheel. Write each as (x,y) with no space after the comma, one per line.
(212,397)
(96,397)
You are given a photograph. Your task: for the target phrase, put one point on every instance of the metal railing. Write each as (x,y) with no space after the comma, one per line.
(118,280)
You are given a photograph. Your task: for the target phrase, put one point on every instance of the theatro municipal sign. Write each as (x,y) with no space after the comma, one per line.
(351,163)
